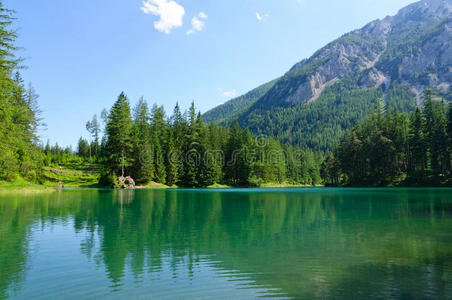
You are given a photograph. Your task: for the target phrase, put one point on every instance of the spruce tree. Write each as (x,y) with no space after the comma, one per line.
(158,137)
(19,115)
(176,146)
(330,170)
(172,161)
(83,148)
(449,136)
(191,150)
(417,145)
(430,119)
(119,136)
(206,171)
(143,167)
(238,164)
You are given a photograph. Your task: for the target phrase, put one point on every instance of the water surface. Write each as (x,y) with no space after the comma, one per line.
(223,244)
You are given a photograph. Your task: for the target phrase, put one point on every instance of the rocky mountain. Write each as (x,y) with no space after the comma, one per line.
(388,62)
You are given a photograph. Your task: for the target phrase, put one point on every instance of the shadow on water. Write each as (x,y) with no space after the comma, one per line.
(296,243)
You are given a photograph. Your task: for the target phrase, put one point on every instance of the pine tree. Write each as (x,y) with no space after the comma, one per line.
(330,170)
(159,163)
(215,145)
(19,115)
(83,148)
(119,136)
(206,173)
(191,151)
(429,129)
(143,167)
(351,157)
(293,164)
(435,132)
(158,137)
(449,136)
(172,161)
(238,164)
(440,138)
(93,128)
(417,145)
(176,146)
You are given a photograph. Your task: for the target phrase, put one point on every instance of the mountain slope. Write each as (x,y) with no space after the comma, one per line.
(390,62)
(233,108)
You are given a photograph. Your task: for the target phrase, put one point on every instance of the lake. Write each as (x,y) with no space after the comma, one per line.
(227,244)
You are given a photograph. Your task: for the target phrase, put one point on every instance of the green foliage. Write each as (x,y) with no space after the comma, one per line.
(143,154)
(19,116)
(108,179)
(55,156)
(330,171)
(393,149)
(73,175)
(449,127)
(119,132)
(417,163)
(93,127)
(183,150)
(317,125)
(320,124)
(233,108)
(83,148)
(409,55)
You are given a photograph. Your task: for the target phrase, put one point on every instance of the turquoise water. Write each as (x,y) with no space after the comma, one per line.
(223,244)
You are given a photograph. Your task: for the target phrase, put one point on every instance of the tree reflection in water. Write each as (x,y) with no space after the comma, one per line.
(296,243)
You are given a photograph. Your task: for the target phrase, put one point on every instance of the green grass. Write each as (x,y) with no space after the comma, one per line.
(20,185)
(73,176)
(155,185)
(218,186)
(85,175)
(283,185)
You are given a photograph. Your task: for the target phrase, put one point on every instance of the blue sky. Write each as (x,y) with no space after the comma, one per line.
(82,54)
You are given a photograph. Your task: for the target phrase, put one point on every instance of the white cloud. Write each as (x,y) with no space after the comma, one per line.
(258,16)
(197,23)
(227,94)
(170,12)
(261,17)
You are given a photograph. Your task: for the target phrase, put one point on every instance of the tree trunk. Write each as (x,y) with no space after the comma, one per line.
(90,159)
(122,166)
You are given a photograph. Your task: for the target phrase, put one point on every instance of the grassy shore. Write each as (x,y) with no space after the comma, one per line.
(87,176)
(154,185)
(73,179)
(22,186)
(73,176)
(157,186)
(283,185)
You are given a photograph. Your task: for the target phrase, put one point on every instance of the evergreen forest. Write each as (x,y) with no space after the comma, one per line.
(389,148)
(365,139)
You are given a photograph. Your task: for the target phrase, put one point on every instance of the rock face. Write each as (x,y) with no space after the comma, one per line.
(126,183)
(390,62)
(413,48)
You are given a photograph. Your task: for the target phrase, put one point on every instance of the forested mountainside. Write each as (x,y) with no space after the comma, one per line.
(230,110)
(393,61)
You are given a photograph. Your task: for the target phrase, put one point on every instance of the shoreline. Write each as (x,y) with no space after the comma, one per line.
(30,188)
